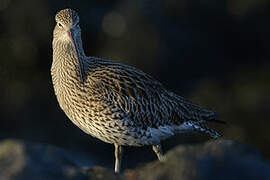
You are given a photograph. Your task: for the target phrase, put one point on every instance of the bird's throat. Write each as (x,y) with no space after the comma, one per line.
(68,56)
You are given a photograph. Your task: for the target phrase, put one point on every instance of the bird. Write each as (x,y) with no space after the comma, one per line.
(117,103)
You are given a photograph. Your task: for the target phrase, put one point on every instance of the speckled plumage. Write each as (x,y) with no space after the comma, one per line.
(116,103)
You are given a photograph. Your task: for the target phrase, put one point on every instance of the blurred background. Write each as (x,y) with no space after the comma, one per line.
(216,53)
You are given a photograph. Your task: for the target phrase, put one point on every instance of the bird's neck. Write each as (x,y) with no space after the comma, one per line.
(68,61)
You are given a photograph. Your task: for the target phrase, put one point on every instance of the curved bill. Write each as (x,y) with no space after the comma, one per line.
(71,36)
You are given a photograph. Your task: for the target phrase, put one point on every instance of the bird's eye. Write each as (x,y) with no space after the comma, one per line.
(60,25)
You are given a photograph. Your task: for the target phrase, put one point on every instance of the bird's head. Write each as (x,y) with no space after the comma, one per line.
(67,27)
(67,31)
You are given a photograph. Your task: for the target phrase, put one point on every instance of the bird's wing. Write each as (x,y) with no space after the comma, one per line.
(144,99)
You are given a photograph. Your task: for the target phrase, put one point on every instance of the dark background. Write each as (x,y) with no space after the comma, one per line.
(215,53)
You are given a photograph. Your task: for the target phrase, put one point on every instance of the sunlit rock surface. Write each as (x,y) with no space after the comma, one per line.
(222,159)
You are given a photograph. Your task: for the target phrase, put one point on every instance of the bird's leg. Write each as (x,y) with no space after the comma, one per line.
(158,150)
(118,153)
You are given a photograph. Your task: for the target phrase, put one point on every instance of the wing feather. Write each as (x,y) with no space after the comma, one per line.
(144,99)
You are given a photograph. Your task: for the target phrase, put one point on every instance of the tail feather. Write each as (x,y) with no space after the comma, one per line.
(195,112)
(197,126)
(212,117)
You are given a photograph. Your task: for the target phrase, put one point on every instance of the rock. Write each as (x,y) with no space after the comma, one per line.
(221,159)
(21,160)
(101,173)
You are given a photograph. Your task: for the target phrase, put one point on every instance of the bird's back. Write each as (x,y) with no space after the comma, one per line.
(140,101)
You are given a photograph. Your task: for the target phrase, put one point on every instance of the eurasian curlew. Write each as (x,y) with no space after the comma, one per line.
(116,103)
